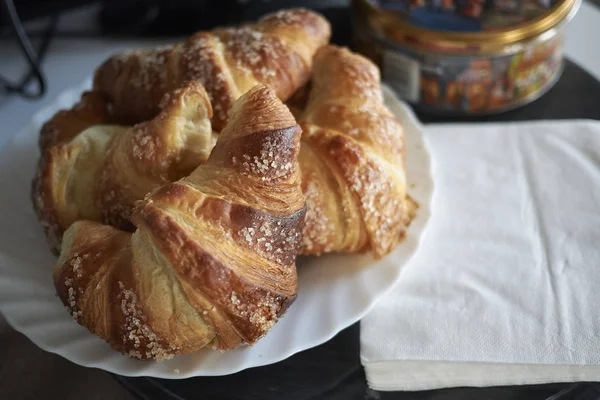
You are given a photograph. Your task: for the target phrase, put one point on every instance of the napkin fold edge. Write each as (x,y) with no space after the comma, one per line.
(413,375)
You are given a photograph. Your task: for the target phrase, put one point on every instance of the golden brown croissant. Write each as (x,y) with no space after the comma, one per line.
(63,190)
(91,109)
(154,153)
(213,258)
(352,160)
(100,173)
(276,51)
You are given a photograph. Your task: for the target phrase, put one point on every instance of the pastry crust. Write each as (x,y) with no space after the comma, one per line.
(209,263)
(153,153)
(182,231)
(276,51)
(352,160)
(102,171)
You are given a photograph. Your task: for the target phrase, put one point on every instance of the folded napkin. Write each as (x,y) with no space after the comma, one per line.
(505,288)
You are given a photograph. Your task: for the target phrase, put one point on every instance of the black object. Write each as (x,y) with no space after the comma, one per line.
(166,17)
(332,370)
(33,57)
(31,9)
(184,17)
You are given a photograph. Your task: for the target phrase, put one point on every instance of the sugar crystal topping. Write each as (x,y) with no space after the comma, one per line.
(72,300)
(254,52)
(205,64)
(113,210)
(151,71)
(380,203)
(272,239)
(262,315)
(138,336)
(317,225)
(145,144)
(273,162)
(286,17)
(74,289)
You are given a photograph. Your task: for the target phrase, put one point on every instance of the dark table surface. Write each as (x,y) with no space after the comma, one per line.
(333,370)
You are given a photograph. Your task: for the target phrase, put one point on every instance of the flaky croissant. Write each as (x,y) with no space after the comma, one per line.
(154,153)
(352,160)
(277,51)
(101,172)
(213,258)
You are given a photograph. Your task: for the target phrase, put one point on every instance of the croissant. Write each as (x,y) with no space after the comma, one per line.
(91,109)
(154,153)
(352,160)
(213,258)
(100,173)
(276,51)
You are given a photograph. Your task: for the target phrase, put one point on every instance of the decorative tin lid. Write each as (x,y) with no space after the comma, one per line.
(458,26)
(469,15)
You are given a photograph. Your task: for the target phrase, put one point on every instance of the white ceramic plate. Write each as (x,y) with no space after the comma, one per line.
(334,291)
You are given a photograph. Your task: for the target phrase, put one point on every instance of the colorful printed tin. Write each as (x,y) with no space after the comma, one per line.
(465,57)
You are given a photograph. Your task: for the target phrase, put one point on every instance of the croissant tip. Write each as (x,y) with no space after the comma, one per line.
(260,90)
(258,110)
(191,95)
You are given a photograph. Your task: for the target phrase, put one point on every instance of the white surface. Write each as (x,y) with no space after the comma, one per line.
(507,277)
(333,291)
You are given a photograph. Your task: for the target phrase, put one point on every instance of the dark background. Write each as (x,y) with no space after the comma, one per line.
(161,17)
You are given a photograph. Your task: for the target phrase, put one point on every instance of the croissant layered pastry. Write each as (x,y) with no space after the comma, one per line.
(102,171)
(276,51)
(212,261)
(352,160)
(181,231)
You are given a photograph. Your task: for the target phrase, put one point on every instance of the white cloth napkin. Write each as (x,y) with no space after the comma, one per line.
(505,288)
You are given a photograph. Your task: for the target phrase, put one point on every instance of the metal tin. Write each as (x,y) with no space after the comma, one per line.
(473,67)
